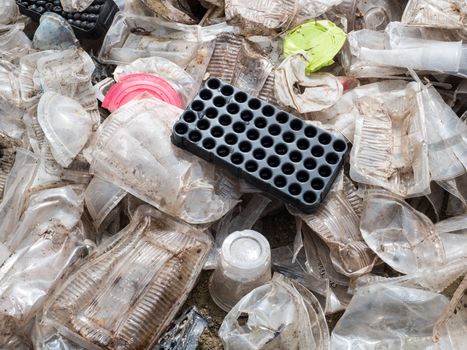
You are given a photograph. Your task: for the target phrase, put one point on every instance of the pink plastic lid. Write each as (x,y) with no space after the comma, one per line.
(132,85)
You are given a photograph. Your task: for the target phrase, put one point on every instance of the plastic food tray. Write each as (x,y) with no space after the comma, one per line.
(273,150)
(91,23)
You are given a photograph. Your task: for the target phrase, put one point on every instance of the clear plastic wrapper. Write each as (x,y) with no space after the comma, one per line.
(9,84)
(101,197)
(281,314)
(305,93)
(131,37)
(45,244)
(15,191)
(66,125)
(11,124)
(389,145)
(9,12)
(145,272)
(337,222)
(172,10)
(406,239)
(13,43)
(239,62)
(446,137)
(133,150)
(267,17)
(75,5)
(181,81)
(54,33)
(389,316)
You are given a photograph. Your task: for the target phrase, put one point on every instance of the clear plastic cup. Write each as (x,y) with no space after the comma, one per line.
(244,264)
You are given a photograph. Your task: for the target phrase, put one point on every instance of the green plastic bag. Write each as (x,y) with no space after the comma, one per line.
(320,40)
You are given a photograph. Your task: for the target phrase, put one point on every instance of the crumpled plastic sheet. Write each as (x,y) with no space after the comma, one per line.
(266,16)
(389,145)
(146,272)
(66,125)
(171,10)
(281,314)
(75,5)
(133,150)
(9,11)
(337,222)
(389,316)
(305,93)
(239,62)
(46,242)
(178,78)
(14,43)
(408,241)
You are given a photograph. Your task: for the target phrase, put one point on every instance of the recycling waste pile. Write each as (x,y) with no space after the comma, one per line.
(233,174)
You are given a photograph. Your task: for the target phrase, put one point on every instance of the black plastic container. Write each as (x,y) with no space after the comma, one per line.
(91,23)
(278,153)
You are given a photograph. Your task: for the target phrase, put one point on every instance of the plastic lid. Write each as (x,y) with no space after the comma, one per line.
(246,254)
(132,85)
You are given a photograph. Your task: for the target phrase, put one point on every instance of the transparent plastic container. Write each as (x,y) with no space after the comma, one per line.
(244,264)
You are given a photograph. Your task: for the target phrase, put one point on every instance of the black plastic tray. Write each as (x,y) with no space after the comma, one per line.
(278,153)
(91,23)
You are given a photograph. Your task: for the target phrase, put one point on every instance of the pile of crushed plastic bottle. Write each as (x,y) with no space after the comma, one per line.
(106,225)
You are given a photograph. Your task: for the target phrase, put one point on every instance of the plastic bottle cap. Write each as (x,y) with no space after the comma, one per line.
(246,254)
(132,85)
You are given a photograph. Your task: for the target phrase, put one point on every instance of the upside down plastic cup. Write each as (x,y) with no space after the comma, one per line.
(244,264)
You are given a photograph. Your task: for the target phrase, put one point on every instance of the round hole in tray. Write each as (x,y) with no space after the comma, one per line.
(288,169)
(209,143)
(303,144)
(211,113)
(281,149)
(317,184)
(252,134)
(227,90)
(296,124)
(303,176)
(310,163)
(310,131)
(265,173)
(251,166)
(222,151)
(225,120)
(217,131)
(295,156)
(246,115)
(324,139)
(205,94)
(274,130)
(240,97)
(238,127)
(259,153)
(280,181)
(309,197)
(189,116)
(254,104)
(261,122)
(324,170)
(236,158)
(213,83)
(181,128)
(288,137)
(282,117)
(317,151)
(267,141)
(295,189)
(268,111)
(273,161)
(339,145)
(197,106)
(203,124)
(219,101)
(233,108)
(332,158)
(231,139)
(194,136)
(244,146)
